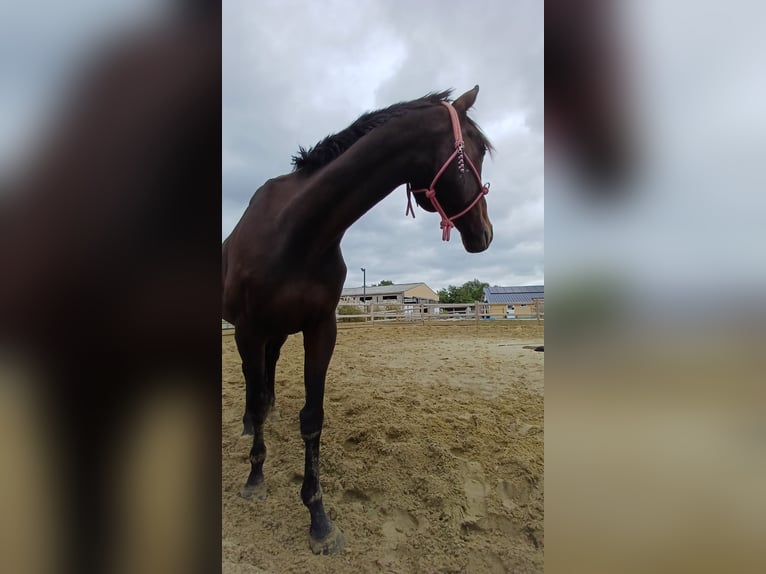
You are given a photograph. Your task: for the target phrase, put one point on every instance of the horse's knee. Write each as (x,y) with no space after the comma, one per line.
(311,422)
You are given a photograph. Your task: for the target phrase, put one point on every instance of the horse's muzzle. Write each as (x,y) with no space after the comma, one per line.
(477,244)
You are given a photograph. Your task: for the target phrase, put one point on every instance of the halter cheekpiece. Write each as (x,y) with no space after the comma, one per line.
(447,222)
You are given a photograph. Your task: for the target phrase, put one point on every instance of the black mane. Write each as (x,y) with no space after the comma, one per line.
(334,145)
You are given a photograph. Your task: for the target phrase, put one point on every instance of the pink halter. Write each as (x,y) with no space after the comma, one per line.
(446,222)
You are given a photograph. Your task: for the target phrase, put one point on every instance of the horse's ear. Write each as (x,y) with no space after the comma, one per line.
(464,102)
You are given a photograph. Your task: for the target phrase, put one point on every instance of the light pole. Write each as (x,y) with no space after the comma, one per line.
(364,290)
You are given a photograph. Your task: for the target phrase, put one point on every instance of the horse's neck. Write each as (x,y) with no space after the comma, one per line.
(344,190)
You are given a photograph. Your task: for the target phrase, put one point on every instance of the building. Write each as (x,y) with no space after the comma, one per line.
(513,302)
(406,293)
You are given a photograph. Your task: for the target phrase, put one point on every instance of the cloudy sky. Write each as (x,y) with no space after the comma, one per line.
(295,71)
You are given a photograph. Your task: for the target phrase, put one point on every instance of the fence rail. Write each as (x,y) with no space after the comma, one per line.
(351,312)
(427,312)
(421,312)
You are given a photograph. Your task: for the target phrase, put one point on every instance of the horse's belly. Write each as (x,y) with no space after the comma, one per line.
(275,297)
(291,310)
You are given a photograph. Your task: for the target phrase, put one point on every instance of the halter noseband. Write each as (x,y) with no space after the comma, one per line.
(447,222)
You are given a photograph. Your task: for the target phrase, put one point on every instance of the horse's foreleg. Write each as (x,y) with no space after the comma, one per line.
(318,342)
(257,403)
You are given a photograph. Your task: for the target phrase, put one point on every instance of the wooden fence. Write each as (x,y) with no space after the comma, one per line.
(478,311)
(420,312)
(352,313)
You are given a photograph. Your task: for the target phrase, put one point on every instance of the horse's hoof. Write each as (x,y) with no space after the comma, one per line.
(333,543)
(257,491)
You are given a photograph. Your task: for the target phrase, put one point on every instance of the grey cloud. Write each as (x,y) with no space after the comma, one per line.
(294,73)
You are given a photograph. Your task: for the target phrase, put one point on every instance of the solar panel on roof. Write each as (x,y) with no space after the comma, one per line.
(517,293)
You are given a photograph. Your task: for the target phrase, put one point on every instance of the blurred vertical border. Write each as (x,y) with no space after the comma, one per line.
(655,434)
(109,297)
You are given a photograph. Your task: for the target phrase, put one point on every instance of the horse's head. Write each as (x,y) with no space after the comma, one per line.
(452,186)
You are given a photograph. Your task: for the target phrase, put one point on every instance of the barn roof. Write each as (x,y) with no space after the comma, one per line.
(506,295)
(384,290)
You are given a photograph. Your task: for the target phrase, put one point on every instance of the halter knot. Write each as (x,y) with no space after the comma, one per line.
(460,156)
(430,193)
(446,225)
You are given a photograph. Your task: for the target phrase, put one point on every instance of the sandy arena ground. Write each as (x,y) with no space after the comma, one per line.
(431,461)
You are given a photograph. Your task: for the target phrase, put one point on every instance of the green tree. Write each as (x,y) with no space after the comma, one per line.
(468,292)
(385,283)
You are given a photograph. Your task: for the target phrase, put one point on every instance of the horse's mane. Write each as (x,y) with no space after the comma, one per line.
(334,145)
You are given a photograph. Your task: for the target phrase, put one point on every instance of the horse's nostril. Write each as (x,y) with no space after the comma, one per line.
(487,236)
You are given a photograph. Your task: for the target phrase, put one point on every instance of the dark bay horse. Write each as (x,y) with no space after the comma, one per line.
(283,270)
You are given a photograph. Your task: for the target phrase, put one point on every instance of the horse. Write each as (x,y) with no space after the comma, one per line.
(283,270)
